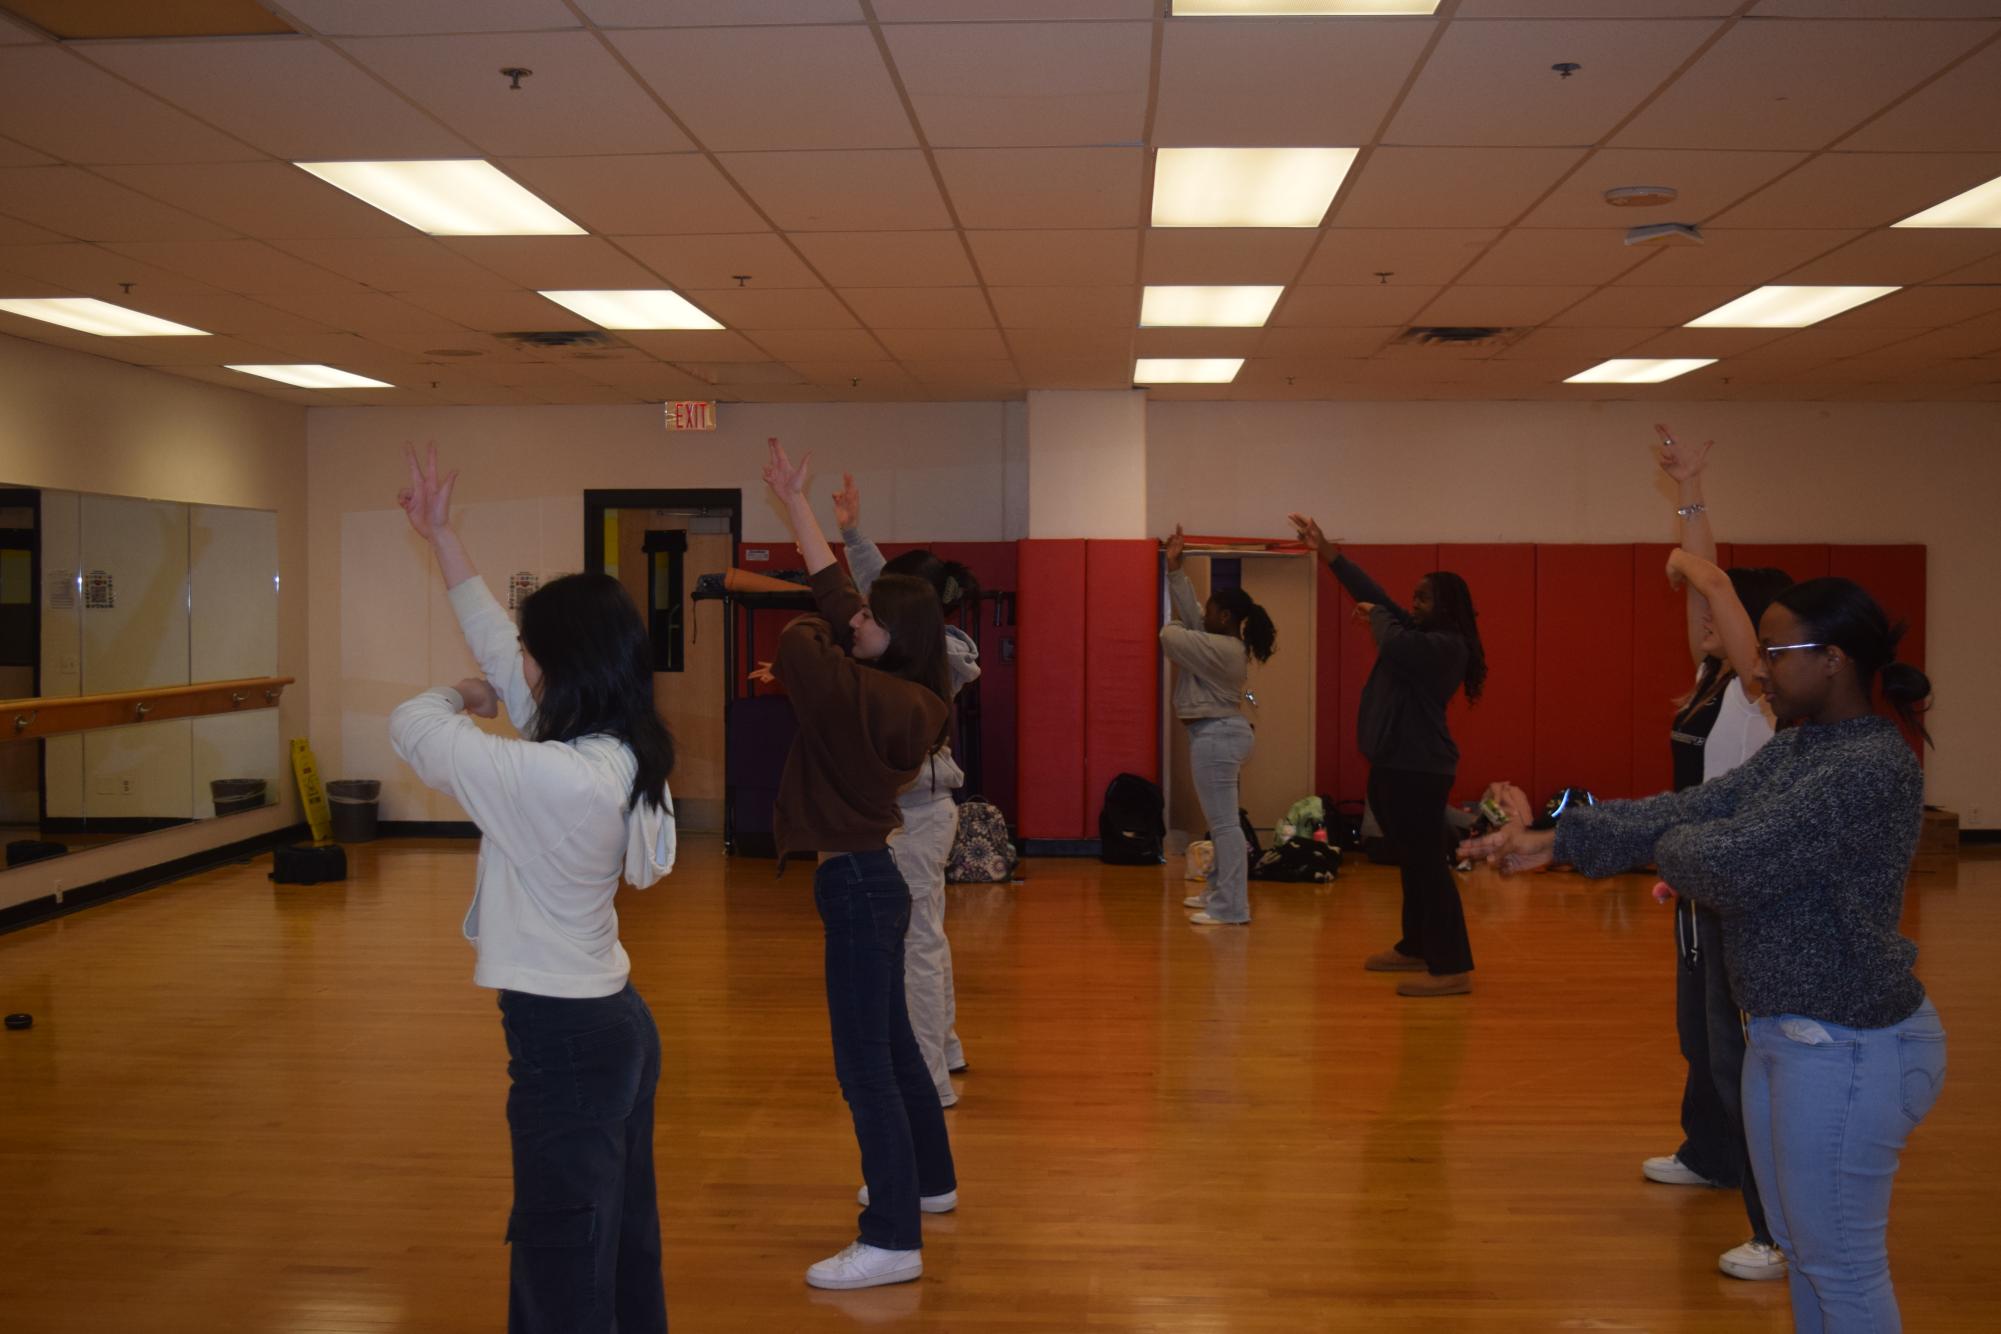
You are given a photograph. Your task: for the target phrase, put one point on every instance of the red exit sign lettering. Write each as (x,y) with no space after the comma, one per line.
(691,416)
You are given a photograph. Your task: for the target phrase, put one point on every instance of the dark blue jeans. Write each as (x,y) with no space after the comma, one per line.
(585,1229)
(865,906)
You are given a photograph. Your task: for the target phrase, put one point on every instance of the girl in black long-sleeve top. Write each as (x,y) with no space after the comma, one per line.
(1423,657)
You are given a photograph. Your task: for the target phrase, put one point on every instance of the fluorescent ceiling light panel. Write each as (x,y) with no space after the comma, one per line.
(1978,207)
(1246,187)
(314,377)
(635,310)
(1193,8)
(89,315)
(1786,307)
(448,198)
(1186,370)
(1640,370)
(1207,307)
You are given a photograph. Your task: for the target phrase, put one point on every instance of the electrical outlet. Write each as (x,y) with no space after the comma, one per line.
(114,785)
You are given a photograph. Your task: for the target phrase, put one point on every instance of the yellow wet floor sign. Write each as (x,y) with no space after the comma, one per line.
(312,797)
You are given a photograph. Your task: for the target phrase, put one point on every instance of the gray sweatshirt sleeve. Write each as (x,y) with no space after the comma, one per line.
(1616,836)
(1181,594)
(865,560)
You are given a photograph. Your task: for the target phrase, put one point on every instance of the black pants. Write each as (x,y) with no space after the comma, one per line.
(865,907)
(585,1230)
(1410,806)
(1711,1029)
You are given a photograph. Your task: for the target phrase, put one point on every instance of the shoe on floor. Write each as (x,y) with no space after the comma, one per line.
(1755,1261)
(1389,961)
(1438,984)
(1672,1171)
(958,1069)
(1204,919)
(930,1204)
(1195,901)
(864,1266)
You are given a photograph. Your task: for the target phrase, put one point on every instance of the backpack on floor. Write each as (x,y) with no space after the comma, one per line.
(982,852)
(1132,825)
(1344,824)
(309,864)
(1299,861)
(1253,847)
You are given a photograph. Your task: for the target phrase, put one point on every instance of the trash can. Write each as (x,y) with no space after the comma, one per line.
(235,795)
(354,802)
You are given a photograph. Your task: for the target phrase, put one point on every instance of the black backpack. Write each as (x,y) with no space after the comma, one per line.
(1132,828)
(1253,849)
(1299,861)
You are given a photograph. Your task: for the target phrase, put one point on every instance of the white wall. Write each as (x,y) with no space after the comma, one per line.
(69,421)
(1541,472)
(381,628)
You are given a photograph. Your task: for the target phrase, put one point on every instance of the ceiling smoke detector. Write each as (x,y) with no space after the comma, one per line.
(1665,233)
(1641,196)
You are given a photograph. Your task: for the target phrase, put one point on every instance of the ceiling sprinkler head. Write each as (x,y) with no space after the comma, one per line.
(1565,68)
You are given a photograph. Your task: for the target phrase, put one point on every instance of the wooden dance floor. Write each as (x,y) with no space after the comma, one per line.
(245,1108)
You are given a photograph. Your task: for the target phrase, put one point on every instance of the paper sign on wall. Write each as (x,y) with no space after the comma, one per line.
(691,416)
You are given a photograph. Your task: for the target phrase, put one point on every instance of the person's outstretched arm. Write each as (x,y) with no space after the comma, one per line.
(1733,623)
(1684,463)
(865,560)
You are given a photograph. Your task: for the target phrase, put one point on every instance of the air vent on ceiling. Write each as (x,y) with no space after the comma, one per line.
(1456,335)
(564,338)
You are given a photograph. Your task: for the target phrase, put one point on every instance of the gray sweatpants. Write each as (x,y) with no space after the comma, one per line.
(1217,749)
(921,849)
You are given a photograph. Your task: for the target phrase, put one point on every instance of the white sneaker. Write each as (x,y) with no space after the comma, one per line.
(1672,1171)
(864,1266)
(1204,919)
(1755,1261)
(1195,901)
(930,1204)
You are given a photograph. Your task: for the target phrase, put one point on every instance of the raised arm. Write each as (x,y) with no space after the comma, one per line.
(1683,463)
(865,560)
(1733,624)
(1180,592)
(787,481)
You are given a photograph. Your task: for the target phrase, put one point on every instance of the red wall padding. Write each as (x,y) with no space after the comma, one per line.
(1121,666)
(1397,569)
(1801,560)
(1583,673)
(1050,796)
(1497,735)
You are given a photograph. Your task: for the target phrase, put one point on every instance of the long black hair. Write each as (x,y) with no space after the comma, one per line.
(597,674)
(1840,612)
(1452,611)
(1755,587)
(908,609)
(1253,622)
(953,582)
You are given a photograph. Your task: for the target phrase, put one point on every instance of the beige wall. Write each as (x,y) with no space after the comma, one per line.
(74,422)
(1541,472)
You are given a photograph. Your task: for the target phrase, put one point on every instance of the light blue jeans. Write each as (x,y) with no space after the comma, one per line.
(1217,749)
(1826,1113)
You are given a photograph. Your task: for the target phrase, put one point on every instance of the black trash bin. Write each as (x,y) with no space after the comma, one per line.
(235,795)
(354,802)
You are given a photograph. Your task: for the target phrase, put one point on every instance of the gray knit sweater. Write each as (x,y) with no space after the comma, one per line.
(1803,849)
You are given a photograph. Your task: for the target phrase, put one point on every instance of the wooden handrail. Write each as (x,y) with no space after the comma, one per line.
(57,715)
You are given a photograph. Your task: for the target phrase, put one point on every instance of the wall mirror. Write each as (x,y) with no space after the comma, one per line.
(107,594)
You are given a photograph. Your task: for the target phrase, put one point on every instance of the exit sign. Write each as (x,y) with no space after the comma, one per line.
(691,416)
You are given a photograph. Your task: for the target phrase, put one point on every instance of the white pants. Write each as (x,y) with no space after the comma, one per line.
(921,849)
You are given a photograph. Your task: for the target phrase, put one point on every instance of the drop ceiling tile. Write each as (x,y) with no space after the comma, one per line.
(1900,258)
(369,18)
(1585,346)
(821,345)
(724,373)
(943,344)
(920,307)
(985,373)
(1025,84)
(1079,344)
(1708,181)
(1039,258)
(15,232)
(1921,308)
(1877,9)
(1818,344)
(14,154)
(1005,188)
(1626,307)
(89,270)
(236,266)
(1796,84)
(560,263)
(263,199)
(275,93)
(1862,189)
(15,33)
(872,374)
(1480,67)
(1351,307)
(1986,271)
(1235,255)
(806,308)
(648,379)
(888,259)
(395,265)
(714,263)
(579,100)
(1103,371)
(717,13)
(391,321)
(76,203)
(841,191)
(1749,258)
(683,345)
(495,312)
(1066,307)
(250,384)
(647,195)
(1295,346)
(750,89)
(1353,256)
(984,11)
(1450,187)
(1591,9)
(1699,342)
(186,351)
(55,101)
(1527,256)
(1264,83)
(240,316)
(1196,342)
(1957,111)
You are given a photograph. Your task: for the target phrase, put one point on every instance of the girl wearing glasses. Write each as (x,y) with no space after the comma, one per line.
(1804,850)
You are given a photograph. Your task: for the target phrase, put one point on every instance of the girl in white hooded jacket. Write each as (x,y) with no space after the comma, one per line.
(579,800)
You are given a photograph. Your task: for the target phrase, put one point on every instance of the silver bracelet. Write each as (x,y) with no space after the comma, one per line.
(1690,511)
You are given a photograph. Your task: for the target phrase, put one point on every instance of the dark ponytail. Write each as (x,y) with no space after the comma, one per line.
(1840,613)
(1254,623)
(953,582)
(1452,611)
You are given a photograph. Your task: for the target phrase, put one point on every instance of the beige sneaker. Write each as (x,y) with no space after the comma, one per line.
(1389,961)
(1753,1261)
